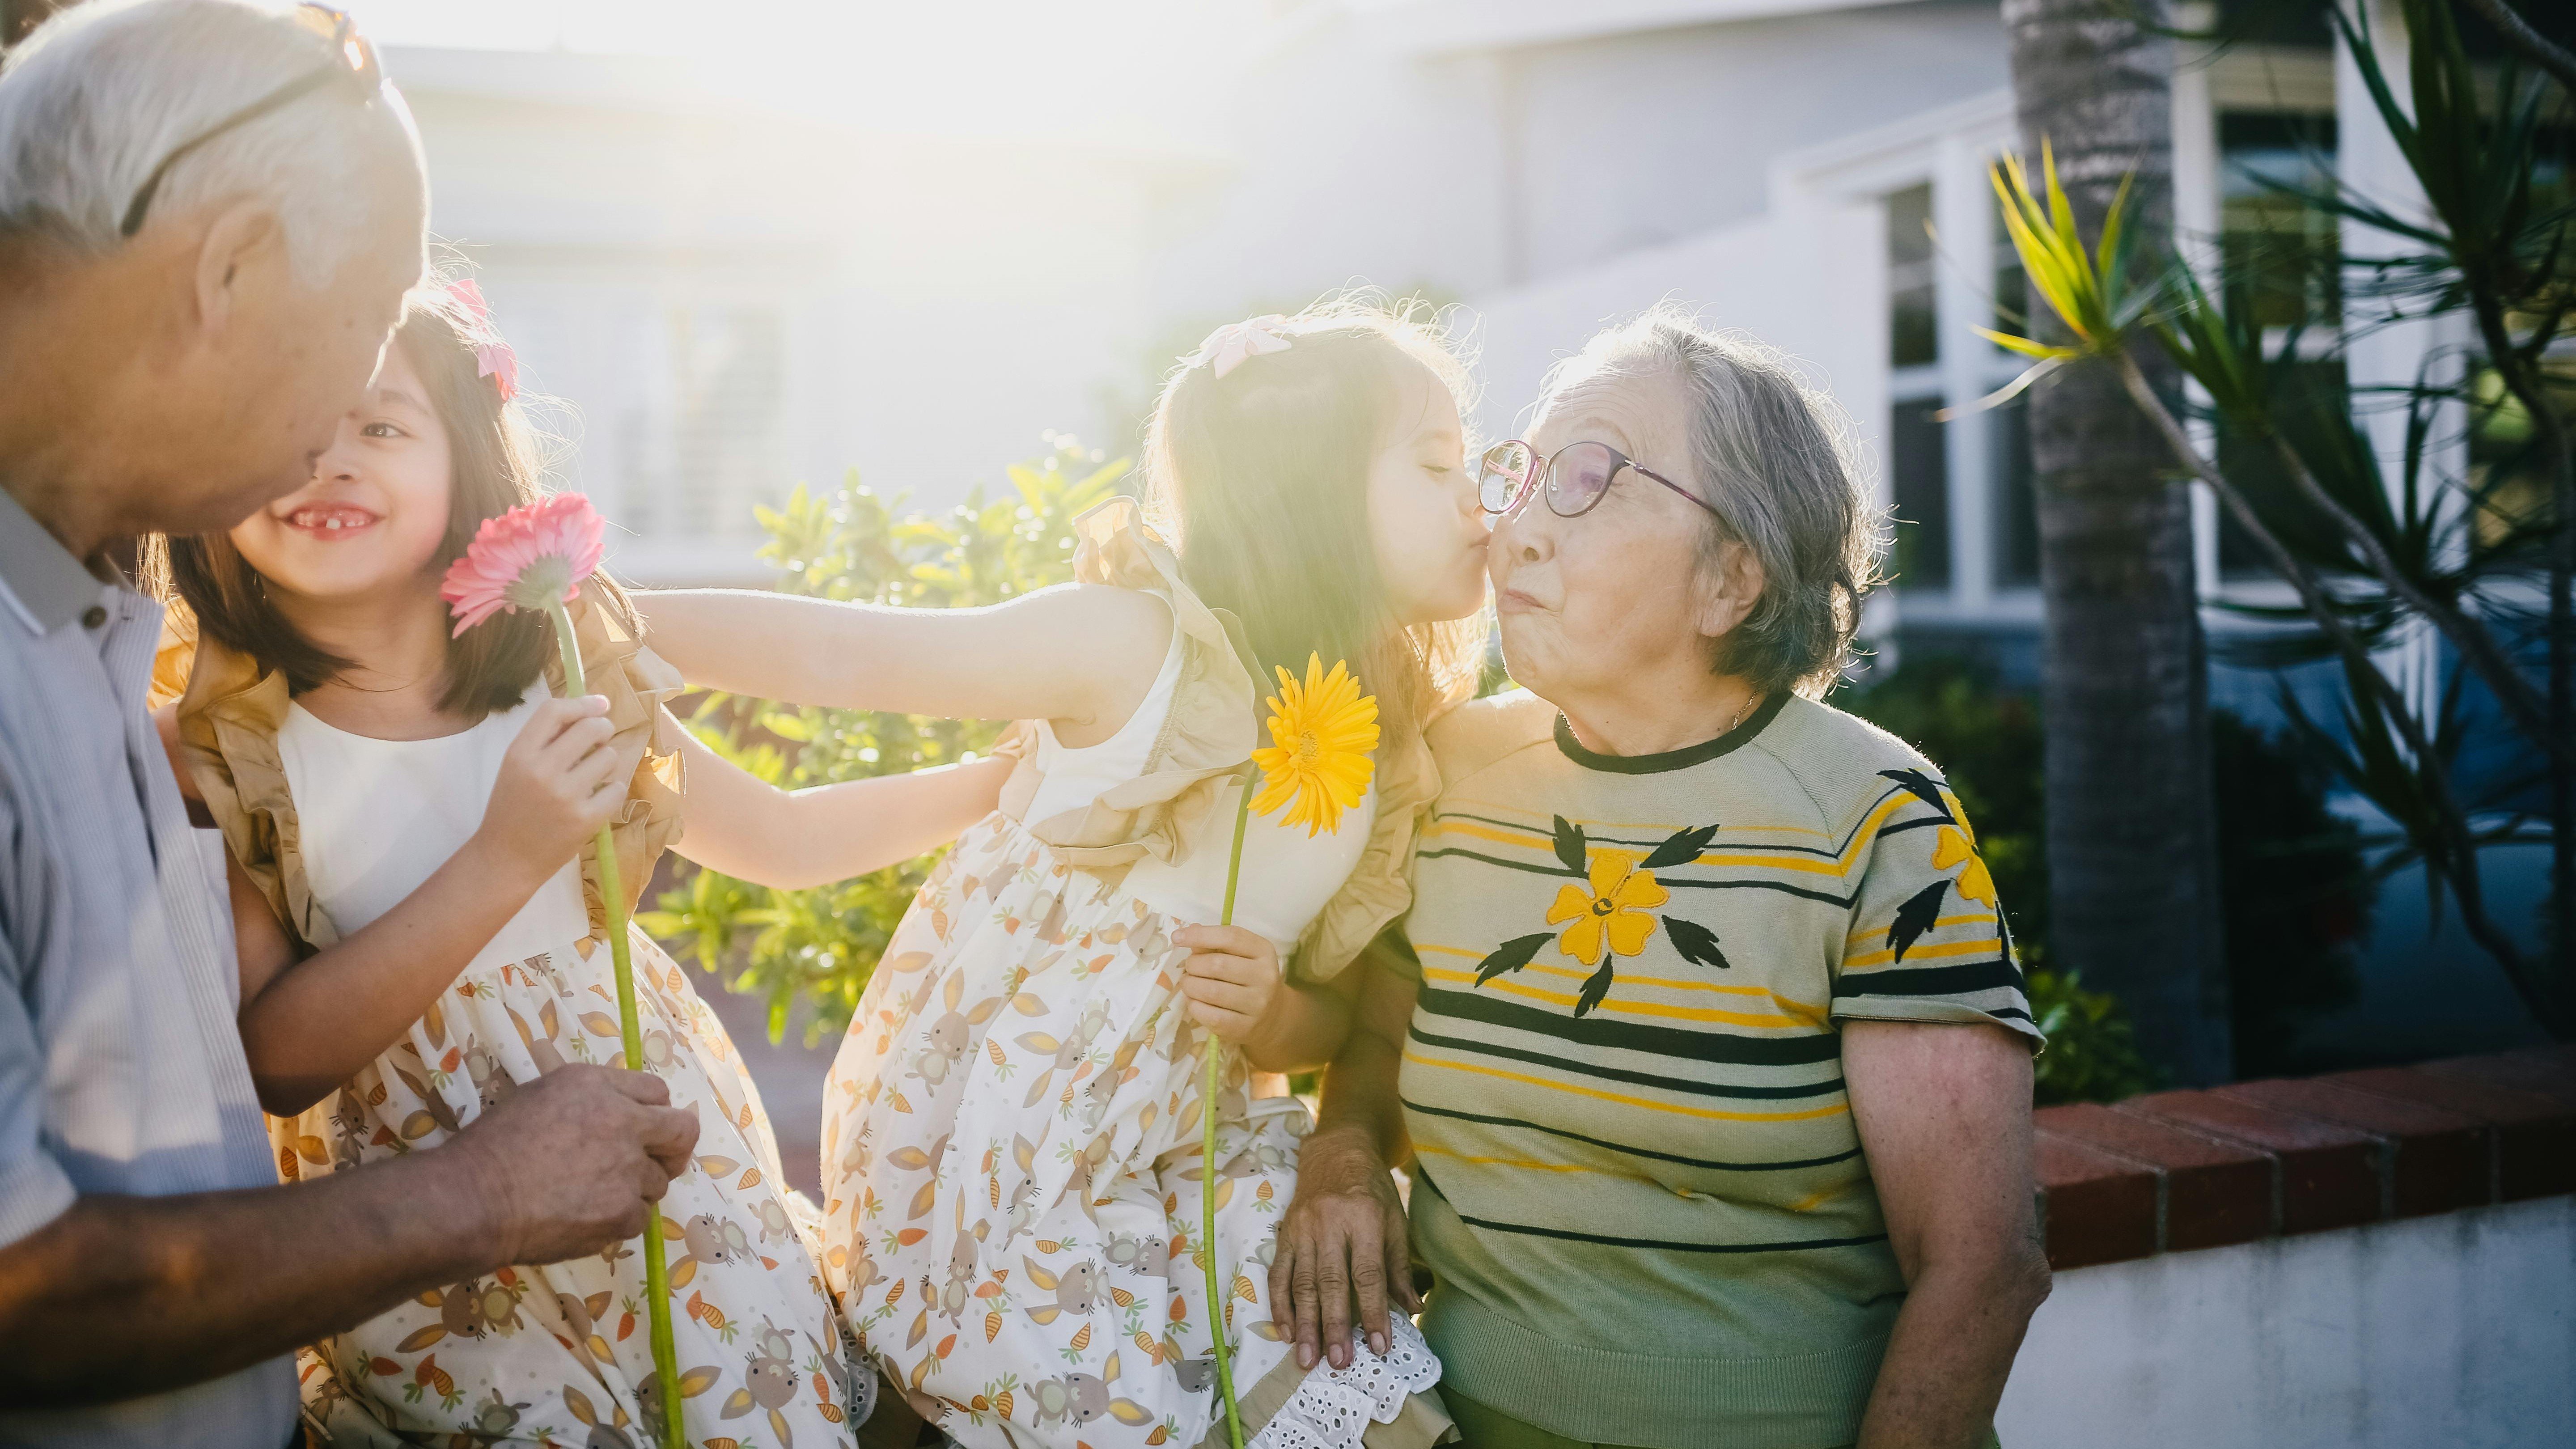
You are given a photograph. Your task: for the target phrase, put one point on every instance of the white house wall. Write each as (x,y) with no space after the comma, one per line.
(939,302)
(1644,139)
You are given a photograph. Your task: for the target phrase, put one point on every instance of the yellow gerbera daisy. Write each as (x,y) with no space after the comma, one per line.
(1614,910)
(1321,733)
(1949,847)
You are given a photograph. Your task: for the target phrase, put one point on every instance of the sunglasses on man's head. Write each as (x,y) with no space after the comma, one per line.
(1574,479)
(352,60)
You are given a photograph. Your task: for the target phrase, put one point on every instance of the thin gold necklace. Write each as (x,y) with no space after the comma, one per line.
(1742,715)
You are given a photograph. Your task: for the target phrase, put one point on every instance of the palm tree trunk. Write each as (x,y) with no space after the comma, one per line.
(2132,830)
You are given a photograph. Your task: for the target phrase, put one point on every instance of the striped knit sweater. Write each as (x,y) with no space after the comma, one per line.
(1637,1179)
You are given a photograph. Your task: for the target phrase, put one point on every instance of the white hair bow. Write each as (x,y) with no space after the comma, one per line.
(1229,345)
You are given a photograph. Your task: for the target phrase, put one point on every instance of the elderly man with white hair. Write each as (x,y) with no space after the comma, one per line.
(209,213)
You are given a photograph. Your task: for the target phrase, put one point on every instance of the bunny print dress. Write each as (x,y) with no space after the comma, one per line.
(338,828)
(1011,1137)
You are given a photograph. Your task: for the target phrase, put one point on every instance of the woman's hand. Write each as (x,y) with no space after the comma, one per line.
(1342,1236)
(1232,979)
(559,782)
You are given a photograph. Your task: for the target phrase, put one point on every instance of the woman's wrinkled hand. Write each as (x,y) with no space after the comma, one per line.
(1342,1238)
(1231,978)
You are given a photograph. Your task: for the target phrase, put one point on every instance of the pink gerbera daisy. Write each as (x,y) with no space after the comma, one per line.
(531,557)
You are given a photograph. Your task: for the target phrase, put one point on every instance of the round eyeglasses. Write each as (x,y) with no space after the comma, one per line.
(1574,479)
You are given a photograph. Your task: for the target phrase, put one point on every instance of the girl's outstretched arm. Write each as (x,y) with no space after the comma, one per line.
(1081,655)
(309,1021)
(742,826)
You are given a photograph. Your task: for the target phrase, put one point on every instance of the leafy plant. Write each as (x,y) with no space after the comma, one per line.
(851,544)
(1987,744)
(2296,894)
(2371,565)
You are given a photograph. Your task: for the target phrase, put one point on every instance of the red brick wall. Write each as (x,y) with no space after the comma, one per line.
(2179,1170)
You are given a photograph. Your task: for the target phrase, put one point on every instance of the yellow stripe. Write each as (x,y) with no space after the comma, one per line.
(1429,1150)
(1666,982)
(1535,840)
(1705,1113)
(1982,946)
(1502,808)
(1868,828)
(1633,1008)
(1862,835)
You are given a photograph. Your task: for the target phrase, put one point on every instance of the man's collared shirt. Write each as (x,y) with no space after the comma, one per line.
(121,1068)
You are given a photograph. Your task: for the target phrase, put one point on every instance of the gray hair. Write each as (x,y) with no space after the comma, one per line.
(1776,457)
(99,94)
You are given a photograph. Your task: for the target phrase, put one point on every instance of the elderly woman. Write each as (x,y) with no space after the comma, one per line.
(1704,1038)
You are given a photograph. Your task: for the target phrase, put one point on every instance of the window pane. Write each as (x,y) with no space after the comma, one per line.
(2275,246)
(2016,495)
(1920,477)
(2311,405)
(1913,334)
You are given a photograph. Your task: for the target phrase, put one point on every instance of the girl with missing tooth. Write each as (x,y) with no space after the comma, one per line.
(403,808)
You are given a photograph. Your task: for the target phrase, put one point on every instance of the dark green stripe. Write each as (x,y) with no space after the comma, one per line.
(1614,1074)
(1827,897)
(1623,1148)
(1688,1046)
(1721,840)
(1682,759)
(1569,1235)
(1956,980)
(1836,853)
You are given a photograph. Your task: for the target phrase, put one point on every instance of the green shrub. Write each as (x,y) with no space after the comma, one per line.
(1988,744)
(2297,895)
(821,944)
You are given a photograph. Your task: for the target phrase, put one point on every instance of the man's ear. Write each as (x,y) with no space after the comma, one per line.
(1729,591)
(241,245)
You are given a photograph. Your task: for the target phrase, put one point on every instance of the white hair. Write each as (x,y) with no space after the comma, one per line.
(102,92)
(1775,455)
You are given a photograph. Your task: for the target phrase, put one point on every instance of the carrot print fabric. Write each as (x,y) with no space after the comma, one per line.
(559,1354)
(1011,1153)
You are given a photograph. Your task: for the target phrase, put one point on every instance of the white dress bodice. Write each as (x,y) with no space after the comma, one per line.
(379,817)
(1287,878)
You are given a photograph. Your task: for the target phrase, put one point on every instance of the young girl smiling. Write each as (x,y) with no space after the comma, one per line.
(403,808)
(1011,1139)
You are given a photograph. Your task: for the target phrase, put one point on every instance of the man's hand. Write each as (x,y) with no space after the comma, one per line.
(1343,1235)
(566,1165)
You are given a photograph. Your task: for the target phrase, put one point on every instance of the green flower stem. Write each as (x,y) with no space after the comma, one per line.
(612,894)
(1218,1300)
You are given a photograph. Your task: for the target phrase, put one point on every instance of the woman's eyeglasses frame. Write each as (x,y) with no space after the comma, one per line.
(1541,477)
(353,59)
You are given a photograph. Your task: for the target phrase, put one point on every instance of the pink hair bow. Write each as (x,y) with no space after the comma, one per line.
(492,356)
(1227,347)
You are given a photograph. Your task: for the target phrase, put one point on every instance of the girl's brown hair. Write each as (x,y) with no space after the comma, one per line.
(495,466)
(1261,477)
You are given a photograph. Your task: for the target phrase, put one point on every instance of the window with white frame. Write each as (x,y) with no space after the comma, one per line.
(709,440)
(1918,466)
(1959,475)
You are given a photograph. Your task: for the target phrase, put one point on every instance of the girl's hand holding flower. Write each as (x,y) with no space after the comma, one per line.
(559,782)
(1232,980)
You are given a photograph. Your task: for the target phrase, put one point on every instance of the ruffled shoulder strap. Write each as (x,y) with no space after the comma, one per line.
(232,710)
(229,717)
(1380,888)
(636,682)
(1206,739)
